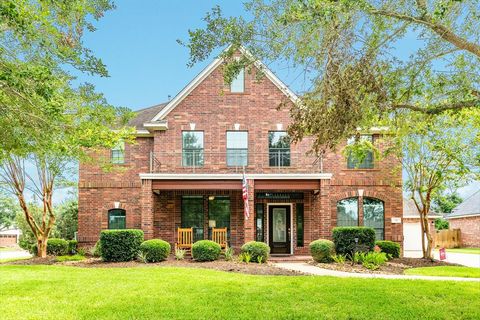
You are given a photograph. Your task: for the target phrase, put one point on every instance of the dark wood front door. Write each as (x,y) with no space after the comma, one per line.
(279,229)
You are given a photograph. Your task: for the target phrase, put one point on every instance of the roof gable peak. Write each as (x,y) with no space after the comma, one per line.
(209,69)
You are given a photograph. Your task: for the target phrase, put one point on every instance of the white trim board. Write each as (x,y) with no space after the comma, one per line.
(463,216)
(208,70)
(234,176)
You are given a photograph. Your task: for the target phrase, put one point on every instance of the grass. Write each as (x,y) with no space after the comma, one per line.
(446,271)
(62,292)
(75,257)
(465,250)
(13,259)
(6,249)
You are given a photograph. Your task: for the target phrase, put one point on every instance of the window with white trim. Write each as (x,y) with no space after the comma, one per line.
(238,83)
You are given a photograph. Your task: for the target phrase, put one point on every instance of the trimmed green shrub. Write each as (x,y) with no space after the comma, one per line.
(344,239)
(206,250)
(57,247)
(120,245)
(256,249)
(96,250)
(155,250)
(322,250)
(72,246)
(389,247)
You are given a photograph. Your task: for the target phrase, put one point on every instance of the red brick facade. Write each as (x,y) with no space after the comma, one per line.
(154,205)
(469,230)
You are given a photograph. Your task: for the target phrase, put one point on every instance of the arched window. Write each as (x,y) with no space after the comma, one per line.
(347,212)
(374,216)
(117,219)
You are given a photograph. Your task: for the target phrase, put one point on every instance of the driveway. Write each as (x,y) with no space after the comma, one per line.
(14,254)
(465,259)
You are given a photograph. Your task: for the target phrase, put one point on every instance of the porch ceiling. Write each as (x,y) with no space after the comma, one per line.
(312,184)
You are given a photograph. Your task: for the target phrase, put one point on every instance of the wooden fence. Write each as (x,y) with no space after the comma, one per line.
(447,238)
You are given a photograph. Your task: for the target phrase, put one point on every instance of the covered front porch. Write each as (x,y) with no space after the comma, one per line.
(285,214)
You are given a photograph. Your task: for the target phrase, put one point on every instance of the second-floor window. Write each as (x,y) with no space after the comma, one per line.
(238,84)
(117,155)
(237,148)
(368,161)
(278,149)
(192,148)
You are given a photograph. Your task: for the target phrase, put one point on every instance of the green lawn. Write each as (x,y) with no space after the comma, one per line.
(465,250)
(5,260)
(61,292)
(75,257)
(6,249)
(446,271)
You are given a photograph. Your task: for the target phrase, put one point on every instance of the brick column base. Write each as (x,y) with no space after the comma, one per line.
(249,224)
(146,205)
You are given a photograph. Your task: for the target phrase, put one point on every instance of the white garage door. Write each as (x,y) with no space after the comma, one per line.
(412,239)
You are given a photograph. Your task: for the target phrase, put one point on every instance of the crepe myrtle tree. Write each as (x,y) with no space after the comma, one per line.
(47,121)
(435,152)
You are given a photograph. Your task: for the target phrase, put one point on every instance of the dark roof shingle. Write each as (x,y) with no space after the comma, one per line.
(469,207)
(145,115)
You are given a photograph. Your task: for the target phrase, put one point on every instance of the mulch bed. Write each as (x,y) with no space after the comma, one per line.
(222,265)
(394,266)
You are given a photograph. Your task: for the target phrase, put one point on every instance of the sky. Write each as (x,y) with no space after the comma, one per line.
(138,43)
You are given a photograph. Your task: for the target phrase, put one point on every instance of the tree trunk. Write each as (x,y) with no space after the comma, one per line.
(427,252)
(42,247)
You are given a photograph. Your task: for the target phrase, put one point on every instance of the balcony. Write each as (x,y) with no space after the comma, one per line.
(234,161)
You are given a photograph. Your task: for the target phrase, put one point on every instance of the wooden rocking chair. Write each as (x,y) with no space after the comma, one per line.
(184,239)
(219,235)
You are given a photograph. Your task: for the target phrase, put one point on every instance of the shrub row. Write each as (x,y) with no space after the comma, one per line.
(120,245)
(344,239)
(344,245)
(125,245)
(389,247)
(322,250)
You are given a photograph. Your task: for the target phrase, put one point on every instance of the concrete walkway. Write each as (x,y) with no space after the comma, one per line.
(312,270)
(14,254)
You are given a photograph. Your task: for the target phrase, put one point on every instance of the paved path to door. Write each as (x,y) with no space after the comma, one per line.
(14,254)
(312,270)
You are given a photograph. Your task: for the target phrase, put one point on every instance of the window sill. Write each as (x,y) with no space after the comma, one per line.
(374,169)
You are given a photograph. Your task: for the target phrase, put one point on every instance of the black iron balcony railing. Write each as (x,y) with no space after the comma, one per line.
(234,161)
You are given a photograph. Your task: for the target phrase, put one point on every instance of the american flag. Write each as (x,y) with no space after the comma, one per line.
(246,210)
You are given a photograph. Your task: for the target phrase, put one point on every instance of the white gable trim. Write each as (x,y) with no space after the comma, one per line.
(208,70)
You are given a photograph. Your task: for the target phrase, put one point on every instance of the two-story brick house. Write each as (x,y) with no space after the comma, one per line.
(185,170)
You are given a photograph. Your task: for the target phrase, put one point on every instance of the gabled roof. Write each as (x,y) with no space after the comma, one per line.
(469,207)
(410,210)
(208,70)
(143,116)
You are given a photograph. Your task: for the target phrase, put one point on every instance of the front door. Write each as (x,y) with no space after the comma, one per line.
(279,229)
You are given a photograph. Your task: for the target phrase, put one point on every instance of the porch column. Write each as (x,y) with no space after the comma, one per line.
(249,224)
(146,209)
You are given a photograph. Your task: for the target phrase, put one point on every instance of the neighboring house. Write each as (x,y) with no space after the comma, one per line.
(185,170)
(9,237)
(466,217)
(412,229)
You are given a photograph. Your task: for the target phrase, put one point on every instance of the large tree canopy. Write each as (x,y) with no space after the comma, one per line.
(47,122)
(365,60)
(40,51)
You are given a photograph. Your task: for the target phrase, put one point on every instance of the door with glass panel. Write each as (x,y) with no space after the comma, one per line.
(279,229)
